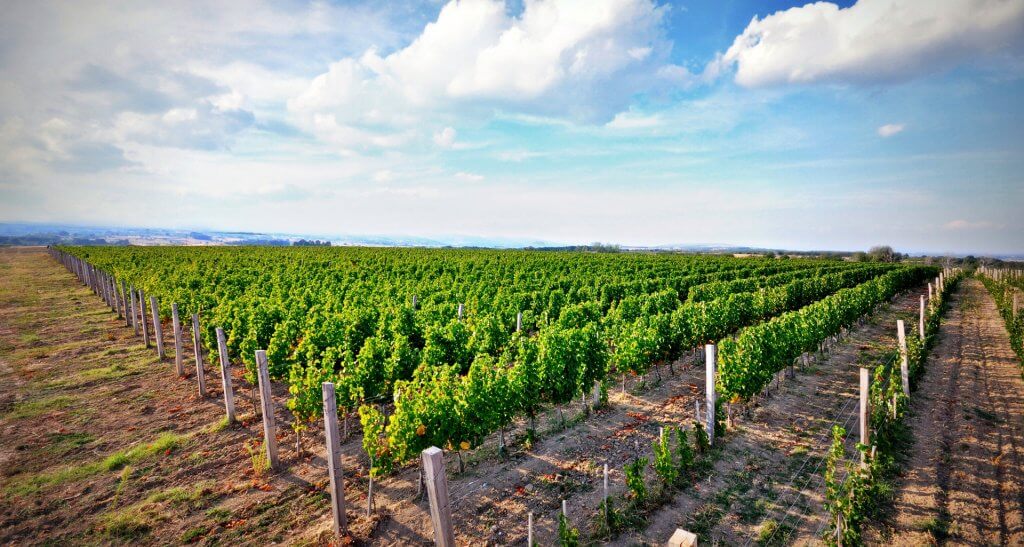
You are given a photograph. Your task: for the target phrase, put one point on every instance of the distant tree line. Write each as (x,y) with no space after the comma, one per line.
(262,242)
(311,243)
(54,239)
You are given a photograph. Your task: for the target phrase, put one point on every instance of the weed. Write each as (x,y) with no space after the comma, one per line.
(704,520)
(258,457)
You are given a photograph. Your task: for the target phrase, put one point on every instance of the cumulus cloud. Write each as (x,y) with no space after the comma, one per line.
(890,129)
(117,76)
(872,41)
(581,61)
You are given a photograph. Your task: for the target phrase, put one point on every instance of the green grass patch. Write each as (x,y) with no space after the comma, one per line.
(194,534)
(184,496)
(29,338)
(771,533)
(218,426)
(937,527)
(35,483)
(128,524)
(62,443)
(110,372)
(219,515)
(38,407)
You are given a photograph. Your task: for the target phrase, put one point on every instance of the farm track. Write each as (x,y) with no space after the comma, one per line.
(965,477)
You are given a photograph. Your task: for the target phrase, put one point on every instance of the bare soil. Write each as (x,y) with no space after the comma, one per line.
(965,478)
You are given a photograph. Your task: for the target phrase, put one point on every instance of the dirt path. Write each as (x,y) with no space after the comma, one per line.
(965,479)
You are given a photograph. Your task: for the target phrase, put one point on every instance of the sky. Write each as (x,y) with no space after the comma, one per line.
(638,122)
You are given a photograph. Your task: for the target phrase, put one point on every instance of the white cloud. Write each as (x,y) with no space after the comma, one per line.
(576,60)
(632,120)
(179,115)
(178,74)
(890,129)
(469,177)
(872,41)
(445,138)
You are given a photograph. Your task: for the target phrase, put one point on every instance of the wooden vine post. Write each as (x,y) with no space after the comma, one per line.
(117,297)
(179,361)
(225,375)
(154,307)
(142,316)
(865,410)
(339,518)
(267,405)
(197,344)
(904,357)
(135,311)
(437,492)
(709,389)
(519,321)
(920,320)
(606,492)
(124,300)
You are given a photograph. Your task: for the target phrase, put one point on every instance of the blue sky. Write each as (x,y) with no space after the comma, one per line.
(777,124)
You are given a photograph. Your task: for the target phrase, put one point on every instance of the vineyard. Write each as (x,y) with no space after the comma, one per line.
(459,349)
(463,342)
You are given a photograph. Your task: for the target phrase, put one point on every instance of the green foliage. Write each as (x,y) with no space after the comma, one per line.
(343,314)
(748,362)
(684,457)
(567,535)
(664,465)
(375,441)
(635,480)
(700,439)
(1003,292)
